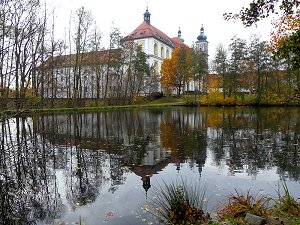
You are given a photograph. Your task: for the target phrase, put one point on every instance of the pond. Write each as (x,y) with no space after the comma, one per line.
(103,167)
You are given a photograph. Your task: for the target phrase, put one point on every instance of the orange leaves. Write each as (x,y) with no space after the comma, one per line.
(176,71)
(167,132)
(186,214)
(283,28)
(168,71)
(285,41)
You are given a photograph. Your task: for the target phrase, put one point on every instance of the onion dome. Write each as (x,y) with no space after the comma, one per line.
(179,35)
(202,36)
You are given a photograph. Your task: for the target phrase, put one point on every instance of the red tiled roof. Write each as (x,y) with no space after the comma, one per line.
(88,58)
(147,30)
(148,170)
(177,42)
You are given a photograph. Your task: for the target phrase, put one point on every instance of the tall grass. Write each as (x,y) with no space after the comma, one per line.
(286,205)
(240,204)
(179,203)
(286,209)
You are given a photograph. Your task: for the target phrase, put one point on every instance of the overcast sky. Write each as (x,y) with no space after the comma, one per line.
(166,15)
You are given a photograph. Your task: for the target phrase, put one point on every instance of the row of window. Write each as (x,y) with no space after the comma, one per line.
(162,51)
(202,47)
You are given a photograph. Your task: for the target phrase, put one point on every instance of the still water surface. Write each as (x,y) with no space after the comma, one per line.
(102,167)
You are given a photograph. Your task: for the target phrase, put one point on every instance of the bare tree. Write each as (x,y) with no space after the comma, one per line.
(221,66)
(83,22)
(95,46)
(114,42)
(21,40)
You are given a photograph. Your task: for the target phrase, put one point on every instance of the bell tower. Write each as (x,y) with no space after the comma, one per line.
(147,16)
(179,35)
(202,43)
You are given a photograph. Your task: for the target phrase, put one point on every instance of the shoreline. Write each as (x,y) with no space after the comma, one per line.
(133,106)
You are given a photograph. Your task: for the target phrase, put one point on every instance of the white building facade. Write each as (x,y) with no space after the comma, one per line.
(158,46)
(155,43)
(93,77)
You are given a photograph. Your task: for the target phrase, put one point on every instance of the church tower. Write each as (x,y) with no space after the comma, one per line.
(179,35)
(147,16)
(202,43)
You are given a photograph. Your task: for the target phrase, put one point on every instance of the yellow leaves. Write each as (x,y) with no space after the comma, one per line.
(283,28)
(171,213)
(176,70)
(168,71)
(214,84)
(216,97)
(167,131)
(137,99)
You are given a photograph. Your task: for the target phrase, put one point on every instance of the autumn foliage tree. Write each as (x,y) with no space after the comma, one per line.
(168,80)
(285,38)
(176,71)
(260,9)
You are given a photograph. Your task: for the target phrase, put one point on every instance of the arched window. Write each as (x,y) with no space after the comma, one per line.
(162,52)
(155,49)
(168,54)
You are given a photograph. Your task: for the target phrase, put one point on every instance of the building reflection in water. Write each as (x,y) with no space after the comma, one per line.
(94,150)
(154,161)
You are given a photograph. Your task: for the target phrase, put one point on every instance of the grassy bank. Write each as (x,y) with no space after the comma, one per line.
(164,103)
(183,203)
(216,98)
(211,99)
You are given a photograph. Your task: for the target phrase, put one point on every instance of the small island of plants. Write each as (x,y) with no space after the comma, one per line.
(180,203)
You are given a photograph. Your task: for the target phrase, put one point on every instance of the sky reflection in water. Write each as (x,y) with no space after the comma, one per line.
(103,167)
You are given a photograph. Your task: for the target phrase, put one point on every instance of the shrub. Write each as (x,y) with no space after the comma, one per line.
(217,98)
(155,95)
(295,98)
(241,204)
(178,203)
(36,102)
(286,204)
(137,99)
(272,98)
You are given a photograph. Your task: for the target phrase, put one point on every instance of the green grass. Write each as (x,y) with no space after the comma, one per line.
(90,109)
(286,205)
(213,99)
(167,99)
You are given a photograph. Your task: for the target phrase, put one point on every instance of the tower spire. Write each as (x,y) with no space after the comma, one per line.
(179,32)
(202,36)
(147,15)
(179,35)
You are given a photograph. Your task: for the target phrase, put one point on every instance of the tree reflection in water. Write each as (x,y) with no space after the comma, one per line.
(256,139)
(52,163)
(28,188)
